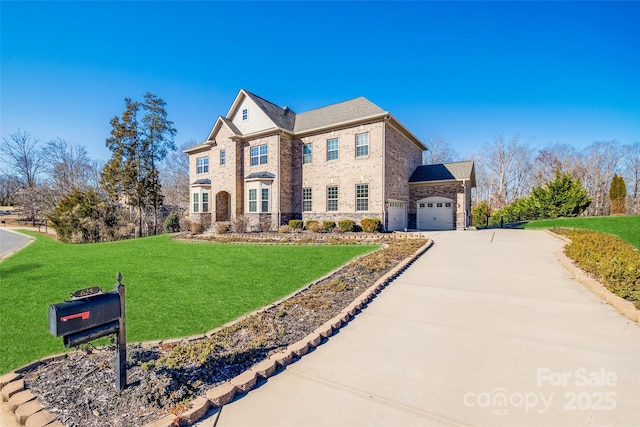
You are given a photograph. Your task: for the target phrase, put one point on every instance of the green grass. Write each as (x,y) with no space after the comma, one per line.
(173,288)
(625,227)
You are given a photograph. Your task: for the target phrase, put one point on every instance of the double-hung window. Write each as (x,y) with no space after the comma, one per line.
(196,203)
(202,165)
(205,202)
(223,157)
(306,199)
(259,155)
(332,198)
(332,149)
(362,197)
(307,151)
(362,144)
(253,200)
(245,114)
(258,197)
(265,199)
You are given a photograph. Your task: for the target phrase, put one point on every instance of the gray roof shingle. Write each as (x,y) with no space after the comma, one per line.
(336,113)
(203,181)
(261,175)
(283,117)
(458,171)
(233,127)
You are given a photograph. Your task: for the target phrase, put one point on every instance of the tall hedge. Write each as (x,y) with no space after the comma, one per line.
(617,195)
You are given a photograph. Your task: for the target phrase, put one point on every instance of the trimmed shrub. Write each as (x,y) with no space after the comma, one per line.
(328,226)
(284,229)
(196,227)
(222,228)
(610,259)
(347,225)
(171,223)
(371,225)
(313,226)
(239,224)
(296,224)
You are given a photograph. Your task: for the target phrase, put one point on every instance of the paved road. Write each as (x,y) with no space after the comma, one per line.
(486,329)
(11,242)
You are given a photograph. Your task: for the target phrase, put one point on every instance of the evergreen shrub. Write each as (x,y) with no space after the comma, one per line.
(171,223)
(610,259)
(371,225)
(347,225)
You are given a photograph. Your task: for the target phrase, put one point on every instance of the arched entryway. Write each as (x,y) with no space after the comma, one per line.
(435,213)
(223,206)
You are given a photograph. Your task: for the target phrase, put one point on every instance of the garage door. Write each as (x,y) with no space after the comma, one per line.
(397,215)
(435,213)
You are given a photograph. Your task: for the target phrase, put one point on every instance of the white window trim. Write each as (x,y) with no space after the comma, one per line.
(310,154)
(359,146)
(200,168)
(362,198)
(259,186)
(337,149)
(337,199)
(244,114)
(259,155)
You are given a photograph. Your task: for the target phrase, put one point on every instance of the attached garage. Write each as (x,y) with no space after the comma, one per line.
(397,215)
(440,196)
(435,213)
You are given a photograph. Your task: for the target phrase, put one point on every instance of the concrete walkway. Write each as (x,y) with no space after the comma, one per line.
(485,329)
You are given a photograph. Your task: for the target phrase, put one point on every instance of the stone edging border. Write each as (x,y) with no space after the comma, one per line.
(626,308)
(28,410)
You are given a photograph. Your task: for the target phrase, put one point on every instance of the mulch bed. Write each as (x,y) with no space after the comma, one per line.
(80,389)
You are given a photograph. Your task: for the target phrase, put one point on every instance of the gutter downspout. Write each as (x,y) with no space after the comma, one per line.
(384,168)
(279,183)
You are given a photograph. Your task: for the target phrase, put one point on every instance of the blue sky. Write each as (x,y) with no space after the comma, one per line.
(466,72)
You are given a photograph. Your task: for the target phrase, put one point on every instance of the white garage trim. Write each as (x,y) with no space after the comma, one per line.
(396,215)
(435,213)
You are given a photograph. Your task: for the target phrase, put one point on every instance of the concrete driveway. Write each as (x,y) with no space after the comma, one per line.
(486,329)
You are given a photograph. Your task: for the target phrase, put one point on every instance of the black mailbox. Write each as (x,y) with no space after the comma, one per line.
(92,314)
(72,317)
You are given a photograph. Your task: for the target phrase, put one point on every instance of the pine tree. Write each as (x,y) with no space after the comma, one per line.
(618,195)
(137,147)
(562,197)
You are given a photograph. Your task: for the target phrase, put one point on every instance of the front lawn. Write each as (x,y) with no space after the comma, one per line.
(625,227)
(173,288)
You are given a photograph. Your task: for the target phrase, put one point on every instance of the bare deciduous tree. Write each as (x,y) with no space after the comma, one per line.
(68,166)
(601,160)
(23,164)
(174,177)
(22,156)
(438,151)
(554,158)
(504,171)
(631,172)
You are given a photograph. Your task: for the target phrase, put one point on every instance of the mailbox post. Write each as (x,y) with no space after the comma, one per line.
(121,340)
(92,314)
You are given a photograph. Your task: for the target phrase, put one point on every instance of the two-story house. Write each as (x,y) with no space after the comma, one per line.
(349,160)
